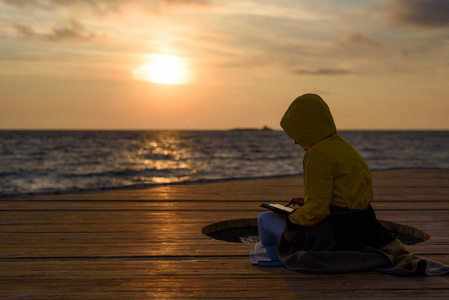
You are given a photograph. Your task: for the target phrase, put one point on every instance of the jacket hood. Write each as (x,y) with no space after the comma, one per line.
(308,120)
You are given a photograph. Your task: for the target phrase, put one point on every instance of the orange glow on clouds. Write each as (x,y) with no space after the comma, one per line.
(164,69)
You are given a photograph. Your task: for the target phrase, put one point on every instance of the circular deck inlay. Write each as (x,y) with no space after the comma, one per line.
(245,231)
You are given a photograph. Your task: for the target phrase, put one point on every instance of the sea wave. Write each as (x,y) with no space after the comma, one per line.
(138,185)
(180,182)
(60,161)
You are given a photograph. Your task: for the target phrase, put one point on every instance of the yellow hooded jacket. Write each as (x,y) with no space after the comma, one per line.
(334,172)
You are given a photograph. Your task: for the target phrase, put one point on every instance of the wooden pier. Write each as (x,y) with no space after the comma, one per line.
(147,243)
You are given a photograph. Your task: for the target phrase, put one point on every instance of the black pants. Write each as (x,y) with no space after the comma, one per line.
(356,231)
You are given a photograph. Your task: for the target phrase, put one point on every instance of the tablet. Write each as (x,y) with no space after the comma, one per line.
(279,208)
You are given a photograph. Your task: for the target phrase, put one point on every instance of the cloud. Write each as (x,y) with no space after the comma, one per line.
(357,39)
(323,72)
(102,6)
(418,13)
(54,20)
(21,3)
(70,31)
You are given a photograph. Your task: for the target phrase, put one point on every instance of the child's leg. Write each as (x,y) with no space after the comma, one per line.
(271,227)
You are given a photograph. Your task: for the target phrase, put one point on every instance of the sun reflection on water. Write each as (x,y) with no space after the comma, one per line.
(97,159)
(165,158)
(176,156)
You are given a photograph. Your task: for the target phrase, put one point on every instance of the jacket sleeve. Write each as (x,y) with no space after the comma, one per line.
(318,190)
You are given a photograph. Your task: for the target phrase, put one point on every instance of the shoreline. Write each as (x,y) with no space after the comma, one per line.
(141,186)
(186,182)
(292,183)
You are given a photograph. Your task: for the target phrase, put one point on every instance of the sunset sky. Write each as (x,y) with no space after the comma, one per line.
(199,64)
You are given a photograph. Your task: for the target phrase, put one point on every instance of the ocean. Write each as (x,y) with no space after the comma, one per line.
(58,161)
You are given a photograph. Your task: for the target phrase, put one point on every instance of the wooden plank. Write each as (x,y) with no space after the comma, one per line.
(194,206)
(147,243)
(198,277)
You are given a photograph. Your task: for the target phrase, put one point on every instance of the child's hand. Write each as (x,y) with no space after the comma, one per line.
(296,201)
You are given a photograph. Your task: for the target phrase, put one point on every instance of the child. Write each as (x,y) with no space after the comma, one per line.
(335,229)
(337,185)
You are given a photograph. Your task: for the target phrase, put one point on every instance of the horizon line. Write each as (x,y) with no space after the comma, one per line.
(212,129)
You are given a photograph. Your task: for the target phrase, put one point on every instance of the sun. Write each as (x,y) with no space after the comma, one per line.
(162,68)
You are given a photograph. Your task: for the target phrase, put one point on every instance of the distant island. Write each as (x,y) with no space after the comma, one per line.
(265,128)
